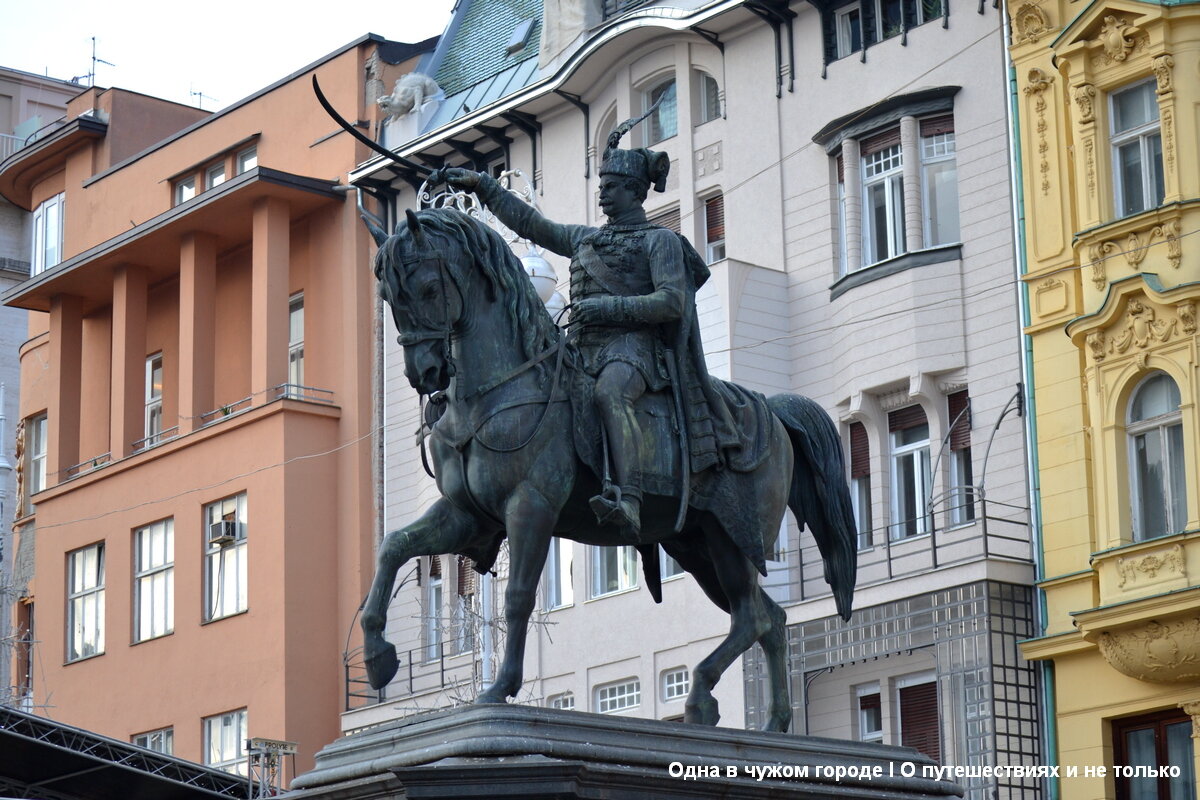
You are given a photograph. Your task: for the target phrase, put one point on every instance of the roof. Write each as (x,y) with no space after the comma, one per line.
(47,759)
(476,45)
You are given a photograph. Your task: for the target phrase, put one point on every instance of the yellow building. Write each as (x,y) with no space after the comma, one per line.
(1107,101)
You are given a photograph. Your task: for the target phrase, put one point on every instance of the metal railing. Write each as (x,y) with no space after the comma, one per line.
(87,465)
(154,439)
(296,391)
(422,669)
(228,410)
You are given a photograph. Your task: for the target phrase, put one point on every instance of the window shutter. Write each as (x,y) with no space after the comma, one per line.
(714,218)
(880,141)
(936,125)
(905,418)
(868,702)
(466,577)
(919,719)
(668,219)
(959,405)
(841,167)
(860,451)
(435,567)
(829,34)
(420,582)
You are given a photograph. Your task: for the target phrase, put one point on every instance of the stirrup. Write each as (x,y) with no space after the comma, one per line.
(612,507)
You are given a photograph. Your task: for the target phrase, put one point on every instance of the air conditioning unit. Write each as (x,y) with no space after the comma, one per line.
(223,532)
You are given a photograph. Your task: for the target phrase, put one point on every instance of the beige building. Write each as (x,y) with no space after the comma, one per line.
(844,167)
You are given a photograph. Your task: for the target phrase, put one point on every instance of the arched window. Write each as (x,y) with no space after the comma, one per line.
(607,123)
(1156,473)
(708,99)
(664,122)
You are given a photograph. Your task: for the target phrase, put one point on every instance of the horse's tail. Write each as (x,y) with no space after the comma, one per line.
(819,496)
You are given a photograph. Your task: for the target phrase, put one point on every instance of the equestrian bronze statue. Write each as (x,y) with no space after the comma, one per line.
(612,434)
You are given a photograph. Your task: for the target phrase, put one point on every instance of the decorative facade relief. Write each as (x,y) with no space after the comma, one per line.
(1100,253)
(1089,147)
(1192,709)
(1135,248)
(1085,96)
(1050,297)
(1168,141)
(1162,72)
(1159,652)
(1141,328)
(1117,37)
(1186,311)
(1031,23)
(708,160)
(1095,343)
(1151,568)
(1039,82)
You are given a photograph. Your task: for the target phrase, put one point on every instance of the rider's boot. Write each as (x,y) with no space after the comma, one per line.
(621,507)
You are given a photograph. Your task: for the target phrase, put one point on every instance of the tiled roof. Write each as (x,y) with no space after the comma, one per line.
(478,51)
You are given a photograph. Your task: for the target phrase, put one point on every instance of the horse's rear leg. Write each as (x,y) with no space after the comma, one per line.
(529,519)
(749,621)
(774,644)
(441,529)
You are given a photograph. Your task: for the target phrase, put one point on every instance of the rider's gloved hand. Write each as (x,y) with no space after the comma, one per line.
(595,309)
(460,178)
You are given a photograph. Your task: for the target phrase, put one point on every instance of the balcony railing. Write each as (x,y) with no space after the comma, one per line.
(10,144)
(87,465)
(422,669)
(156,439)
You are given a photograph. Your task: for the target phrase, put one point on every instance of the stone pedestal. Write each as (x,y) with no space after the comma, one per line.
(543,754)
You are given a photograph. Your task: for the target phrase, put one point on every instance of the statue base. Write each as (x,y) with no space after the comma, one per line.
(510,751)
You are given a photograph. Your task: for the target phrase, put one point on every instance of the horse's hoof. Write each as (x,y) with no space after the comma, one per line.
(702,712)
(779,723)
(491,697)
(381,666)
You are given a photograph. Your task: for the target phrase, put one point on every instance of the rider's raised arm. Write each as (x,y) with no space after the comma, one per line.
(527,222)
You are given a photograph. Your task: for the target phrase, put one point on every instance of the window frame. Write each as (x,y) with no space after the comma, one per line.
(934,153)
(185,189)
(37,431)
(85,604)
(907,683)
(714,230)
(159,575)
(153,419)
(891,178)
(296,344)
(164,736)
(1161,424)
(1160,723)
(42,256)
(238,763)
(246,159)
(708,104)
(844,29)
(435,600)
(217,557)
(558,584)
(626,576)
(862,732)
(1141,134)
(917,454)
(563,701)
(675,684)
(618,696)
(859,465)
(215,175)
(656,129)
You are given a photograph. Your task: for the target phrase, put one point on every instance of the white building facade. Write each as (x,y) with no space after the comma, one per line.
(844,168)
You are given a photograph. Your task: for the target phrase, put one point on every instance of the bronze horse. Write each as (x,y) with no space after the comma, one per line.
(477,338)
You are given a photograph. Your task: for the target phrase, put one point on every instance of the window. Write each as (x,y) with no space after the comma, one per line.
(883,198)
(939,181)
(663,123)
(889,15)
(154,391)
(962,480)
(154,580)
(226,588)
(709,101)
(48,234)
(848,24)
(185,190)
(247,160)
(24,640)
(160,741)
(1136,149)
(225,742)
(667,566)
(614,569)
(926,10)
(676,683)
(296,342)
(860,483)
(714,229)
(563,702)
(620,696)
(1155,741)
(36,429)
(911,480)
(667,218)
(434,597)
(464,607)
(1156,470)
(776,554)
(918,703)
(870,713)
(557,578)
(214,176)
(85,602)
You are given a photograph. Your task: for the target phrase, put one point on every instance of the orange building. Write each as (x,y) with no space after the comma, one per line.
(198,522)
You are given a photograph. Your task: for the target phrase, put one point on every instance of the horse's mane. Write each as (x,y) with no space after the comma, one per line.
(507,281)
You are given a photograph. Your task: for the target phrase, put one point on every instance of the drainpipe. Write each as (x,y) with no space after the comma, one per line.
(1049,726)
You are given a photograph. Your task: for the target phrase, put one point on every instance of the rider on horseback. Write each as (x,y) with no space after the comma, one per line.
(633,289)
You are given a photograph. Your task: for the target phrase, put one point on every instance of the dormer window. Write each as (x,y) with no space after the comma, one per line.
(520,36)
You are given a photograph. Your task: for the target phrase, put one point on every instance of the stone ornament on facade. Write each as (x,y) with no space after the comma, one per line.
(1168,143)
(1039,81)
(1141,328)
(1149,567)
(1096,343)
(708,160)
(1162,72)
(1089,147)
(1137,245)
(1158,652)
(1117,38)
(1031,23)
(1192,709)
(1186,311)
(1051,297)
(1100,253)
(1084,97)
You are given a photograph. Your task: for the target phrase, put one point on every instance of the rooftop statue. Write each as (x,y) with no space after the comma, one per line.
(613,434)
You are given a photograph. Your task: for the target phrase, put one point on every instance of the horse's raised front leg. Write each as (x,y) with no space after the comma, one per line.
(529,520)
(441,529)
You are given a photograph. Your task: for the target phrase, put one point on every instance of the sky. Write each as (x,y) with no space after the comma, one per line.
(221,49)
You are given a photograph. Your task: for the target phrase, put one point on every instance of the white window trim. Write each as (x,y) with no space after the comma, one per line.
(860,505)
(1141,134)
(704,113)
(564,701)
(229,555)
(163,737)
(296,345)
(558,587)
(236,762)
(842,28)
(215,175)
(246,159)
(158,578)
(154,400)
(630,556)
(647,93)
(1133,429)
(962,489)
(40,259)
(922,488)
(675,684)
(892,179)
(38,429)
(928,161)
(866,690)
(85,606)
(185,189)
(618,696)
